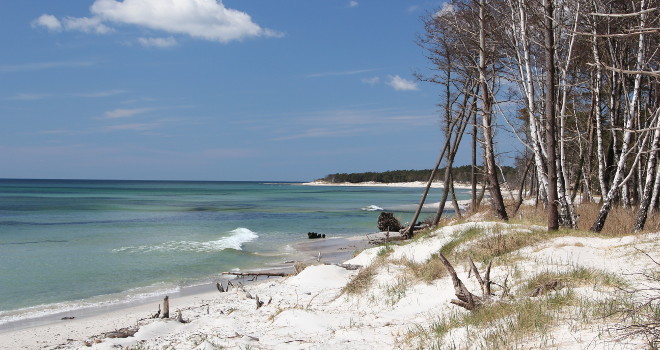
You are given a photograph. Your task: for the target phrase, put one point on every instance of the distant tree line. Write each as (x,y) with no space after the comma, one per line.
(459,174)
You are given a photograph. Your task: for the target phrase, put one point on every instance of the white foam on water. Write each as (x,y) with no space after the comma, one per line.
(235,240)
(372,208)
(126,297)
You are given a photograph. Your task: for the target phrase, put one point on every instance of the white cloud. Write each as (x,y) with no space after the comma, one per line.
(27,97)
(401,84)
(133,127)
(158,42)
(125,113)
(353,4)
(371,81)
(202,19)
(82,24)
(412,8)
(49,22)
(447,9)
(86,25)
(107,93)
(29,67)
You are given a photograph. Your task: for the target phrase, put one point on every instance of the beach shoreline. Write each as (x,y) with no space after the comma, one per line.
(60,327)
(314,309)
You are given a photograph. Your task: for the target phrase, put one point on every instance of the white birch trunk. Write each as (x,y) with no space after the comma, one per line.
(627,135)
(656,189)
(642,213)
(525,72)
(600,148)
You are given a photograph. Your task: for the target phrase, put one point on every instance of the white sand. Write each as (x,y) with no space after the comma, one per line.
(309,311)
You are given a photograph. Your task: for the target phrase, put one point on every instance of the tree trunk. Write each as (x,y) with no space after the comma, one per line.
(496,199)
(409,231)
(473,173)
(550,134)
(651,163)
(166,308)
(598,224)
(656,189)
(598,113)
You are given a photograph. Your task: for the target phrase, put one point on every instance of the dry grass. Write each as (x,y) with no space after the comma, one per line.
(361,282)
(494,326)
(619,221)
(428,271)
(576,277)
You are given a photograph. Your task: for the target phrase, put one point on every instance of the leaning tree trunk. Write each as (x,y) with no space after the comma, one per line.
(462,122)
(497,202)
(643,211)
(409,231)
(656,190)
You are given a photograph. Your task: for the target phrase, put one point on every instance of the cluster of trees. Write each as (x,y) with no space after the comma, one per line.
(575,82)
(460,174)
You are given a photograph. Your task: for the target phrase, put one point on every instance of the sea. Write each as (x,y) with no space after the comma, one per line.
(71,245)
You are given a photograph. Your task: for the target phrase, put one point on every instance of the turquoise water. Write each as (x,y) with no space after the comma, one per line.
(69,243)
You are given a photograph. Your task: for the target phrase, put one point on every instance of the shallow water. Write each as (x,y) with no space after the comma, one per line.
(69,243)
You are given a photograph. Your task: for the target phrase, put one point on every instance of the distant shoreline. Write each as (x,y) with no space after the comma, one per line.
(414,184)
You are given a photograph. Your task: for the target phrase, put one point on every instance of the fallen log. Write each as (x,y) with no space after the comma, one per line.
(121,333)
(349,267)
(269,274)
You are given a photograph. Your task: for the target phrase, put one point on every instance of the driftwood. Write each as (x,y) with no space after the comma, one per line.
(269,274)
(540,290)
(166,308)
(222,289)
(121,333)
(179,317)
(466,299)
(349,267)
(157,314)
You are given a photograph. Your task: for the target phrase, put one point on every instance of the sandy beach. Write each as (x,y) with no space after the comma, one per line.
(324,307)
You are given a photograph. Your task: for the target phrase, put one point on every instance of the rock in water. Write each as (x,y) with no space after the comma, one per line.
(387,222)
(313,235)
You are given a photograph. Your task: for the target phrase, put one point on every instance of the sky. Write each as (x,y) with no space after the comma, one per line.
(256,90)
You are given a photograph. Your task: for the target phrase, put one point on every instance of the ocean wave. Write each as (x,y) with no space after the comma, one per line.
(373,208)
(235,240)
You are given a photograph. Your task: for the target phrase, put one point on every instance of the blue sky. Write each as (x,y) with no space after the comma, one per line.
(206,90)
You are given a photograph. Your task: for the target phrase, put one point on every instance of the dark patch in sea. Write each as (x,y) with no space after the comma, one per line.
(35,242)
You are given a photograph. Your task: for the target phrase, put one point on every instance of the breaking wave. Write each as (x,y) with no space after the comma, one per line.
(235,240)
(373,208)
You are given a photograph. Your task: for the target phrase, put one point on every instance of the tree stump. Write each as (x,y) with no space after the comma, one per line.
(166,307)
